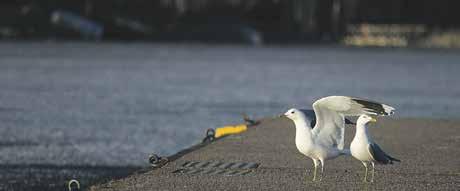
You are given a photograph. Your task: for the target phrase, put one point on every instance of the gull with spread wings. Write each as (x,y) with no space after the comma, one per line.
(326,139)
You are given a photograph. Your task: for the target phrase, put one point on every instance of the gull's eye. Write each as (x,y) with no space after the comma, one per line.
(292,112)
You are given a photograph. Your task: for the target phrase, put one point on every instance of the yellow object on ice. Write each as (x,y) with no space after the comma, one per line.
(228,130)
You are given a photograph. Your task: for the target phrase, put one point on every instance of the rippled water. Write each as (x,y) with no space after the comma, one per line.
(112,104)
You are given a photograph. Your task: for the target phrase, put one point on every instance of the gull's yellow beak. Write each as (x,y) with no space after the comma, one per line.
(373,119)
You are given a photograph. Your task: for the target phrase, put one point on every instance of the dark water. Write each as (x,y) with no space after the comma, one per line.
(113,104)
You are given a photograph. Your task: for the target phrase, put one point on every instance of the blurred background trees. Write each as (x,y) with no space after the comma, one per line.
(229,20)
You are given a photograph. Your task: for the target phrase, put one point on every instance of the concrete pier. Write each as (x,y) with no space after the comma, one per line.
(428,150)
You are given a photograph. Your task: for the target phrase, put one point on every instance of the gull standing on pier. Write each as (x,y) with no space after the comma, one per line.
(326,140)
(365,150)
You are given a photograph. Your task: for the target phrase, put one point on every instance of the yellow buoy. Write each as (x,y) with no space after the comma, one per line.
(228,130)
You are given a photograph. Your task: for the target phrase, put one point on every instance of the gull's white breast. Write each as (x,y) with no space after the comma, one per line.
(359,150)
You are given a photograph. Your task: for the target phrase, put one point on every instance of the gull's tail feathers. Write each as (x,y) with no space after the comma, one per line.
(379,155)
(351,106)
(393,159)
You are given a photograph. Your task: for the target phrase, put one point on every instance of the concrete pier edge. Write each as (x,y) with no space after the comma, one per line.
(281,167)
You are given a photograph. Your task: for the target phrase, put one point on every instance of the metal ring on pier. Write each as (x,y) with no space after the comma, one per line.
(154,159)
(69,184)
(210,135)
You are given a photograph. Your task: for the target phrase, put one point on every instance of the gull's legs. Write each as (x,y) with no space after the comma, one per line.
(316,167)
(322,169)
(373,168)
(365,174)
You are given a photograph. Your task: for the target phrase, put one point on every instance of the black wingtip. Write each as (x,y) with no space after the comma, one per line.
(372,106)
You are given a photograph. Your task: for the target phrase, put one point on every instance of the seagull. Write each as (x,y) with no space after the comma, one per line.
(365,150)
(326,139)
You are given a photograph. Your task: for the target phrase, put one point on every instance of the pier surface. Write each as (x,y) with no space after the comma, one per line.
(265,158)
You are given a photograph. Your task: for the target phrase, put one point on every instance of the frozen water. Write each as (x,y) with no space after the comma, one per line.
(113,104)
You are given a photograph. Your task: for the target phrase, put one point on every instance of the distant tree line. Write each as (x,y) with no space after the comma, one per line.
(304,18)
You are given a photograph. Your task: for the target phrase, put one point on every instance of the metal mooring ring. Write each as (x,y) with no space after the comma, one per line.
(154,159)
(69,184)
(210,135)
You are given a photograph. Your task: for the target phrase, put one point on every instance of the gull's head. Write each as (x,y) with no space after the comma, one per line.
(294,114)
(299,118)
(365,119)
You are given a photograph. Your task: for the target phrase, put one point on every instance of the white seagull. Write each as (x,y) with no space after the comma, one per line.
(326,139)
(365,150)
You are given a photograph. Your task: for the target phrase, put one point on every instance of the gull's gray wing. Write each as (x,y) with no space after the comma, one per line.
(352,106)
(310,113)
(330,116)
(329,130)
(379,155)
